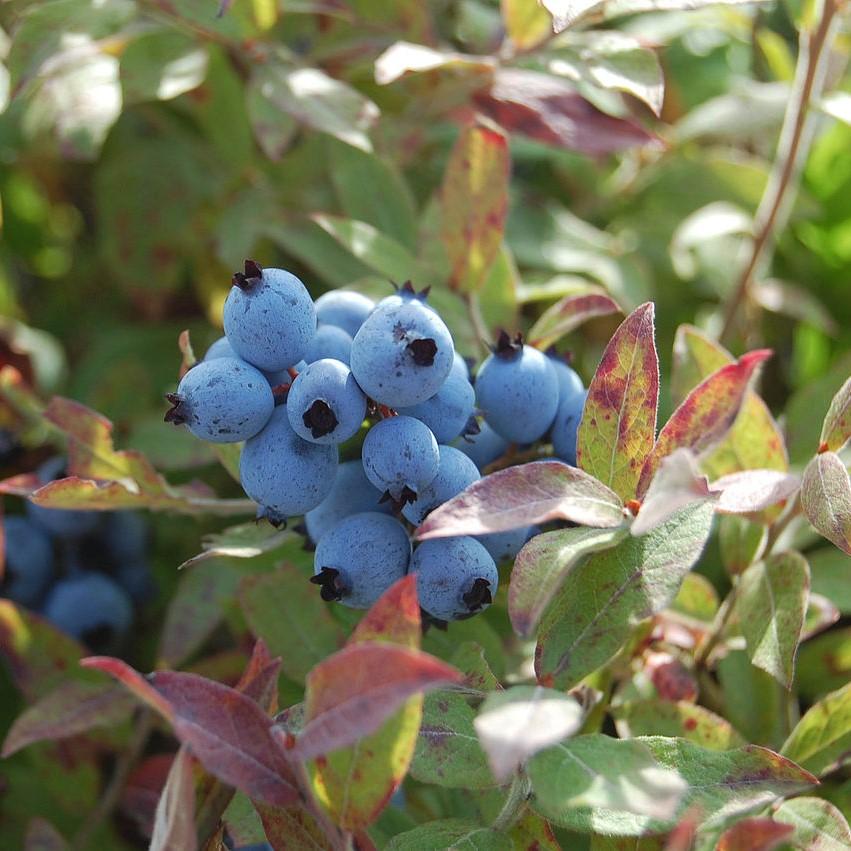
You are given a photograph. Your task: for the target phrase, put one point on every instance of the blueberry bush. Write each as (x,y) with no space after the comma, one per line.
(425,425)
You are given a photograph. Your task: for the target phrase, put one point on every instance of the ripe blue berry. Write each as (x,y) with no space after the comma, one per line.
(29,561)
(57,521)
(459,367)
(221,348)
(325,404)
(90,607)
(402,353)
(456,577)
(329,341)
(566,424)
(352,493)
(360,558)
(343,308)
(269,317)
(222,400)
(455,472)
(284,474)
(448,412)
(517,390)
(569,381)
(503,546)
(483,448)
(400,457)
(125,536)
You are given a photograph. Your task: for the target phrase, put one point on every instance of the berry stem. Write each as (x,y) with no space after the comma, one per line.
(474,311)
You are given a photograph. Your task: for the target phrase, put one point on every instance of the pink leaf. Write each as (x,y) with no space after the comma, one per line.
(133,681)
(569,313)
(174,822)
(753,490)
(259,681)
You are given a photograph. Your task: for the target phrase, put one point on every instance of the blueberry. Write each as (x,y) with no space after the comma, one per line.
(269,317)
(325,404)
(517,390)
(29,561)
(400,457)
(224,400)
(329,341)
(344,309)
(284,474)
(504,546)
(221,348)
(125,536)
(402,353)
(135,577)
(448,412)
(569,381)
(459,367)
(58,521)
(456,577)
(92,608)
(283,376)
(566,424)
(455,472)
(484,447)
(360,558)
(351,493)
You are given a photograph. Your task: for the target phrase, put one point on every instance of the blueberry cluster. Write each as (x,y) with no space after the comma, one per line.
(297,380)
(83,570)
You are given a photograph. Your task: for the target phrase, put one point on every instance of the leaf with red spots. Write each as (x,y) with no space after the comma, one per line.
(351,693)
(568,314)
(174,821)
(356,783)
(826,498)
(818,824)
(821,740)
(680,719)
(292,829)
(228,732)
(618,424)
(474,203)
(836,429)
(521,496)
(754,834)
(706,414)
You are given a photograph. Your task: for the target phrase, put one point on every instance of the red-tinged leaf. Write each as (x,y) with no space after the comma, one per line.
(133,681)
(474,202)
(259,681)
(542,566)
(143,789)
(752,491)
(395,617)
(706,414)
(618,424)
(43,836)
(550,110)
(350,693)
(568,314)
(71,708)
(174,821)
(523,495)
(696,357)
(292,829)
(188,359)
(836,429)
(21,485)
(826,499)
(754,834)
(533,833)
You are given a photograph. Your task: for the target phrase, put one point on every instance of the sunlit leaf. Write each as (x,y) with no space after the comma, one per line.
(836,429)
(569,313)
(450,833)
(821,740)
(819,825)
(680,719)
(754,834)
(826,498)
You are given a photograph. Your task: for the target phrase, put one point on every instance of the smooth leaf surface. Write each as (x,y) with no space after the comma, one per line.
(292,829)
(524,495)
(819,825)
(618,424)
(247,540)
(174,822)
(754,834)
(826,498)
(527,23)
(836,429)
(569,313)
(821,740)
(450,833)
(771,604)
(543,564)
(678,719)
(607,595)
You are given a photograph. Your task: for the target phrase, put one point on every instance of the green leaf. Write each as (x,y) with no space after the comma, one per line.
(610,593)
(161,65)
(678,719)
(826,498)
(247,540)
(448,752)
(836,428)
(527,23)
(450,833)
(469,658)
(831,576)
(824,663)
(284,610)
(618,424)
(697,598)
(543,565)
(741,542)
(601,773)
(719,786)
(569,313)
(273,128)
(819,826)
(821,740)
(770,605)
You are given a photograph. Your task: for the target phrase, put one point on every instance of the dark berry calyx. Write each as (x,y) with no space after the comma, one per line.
(320,419)
(274,518)
(407,291)
(472,427)
(423,351)
(427,621)
(479,595)
(563,357)
(178,413)
(405,496)
(331,585)
(248,279)
(506,348)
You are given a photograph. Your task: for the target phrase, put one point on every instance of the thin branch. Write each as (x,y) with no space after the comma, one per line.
(480,328)
(792,147)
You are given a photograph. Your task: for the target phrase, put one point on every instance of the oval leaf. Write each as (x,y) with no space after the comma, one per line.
(819,825)
(754,834)
(678,719)
(821,740)
(836,429)
(568,314)
(826,498)
(450,833)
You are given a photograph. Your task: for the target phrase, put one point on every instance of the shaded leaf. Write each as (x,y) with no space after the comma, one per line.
(830,571)
(819,825)
(474,204)
(516,724)
(741,542)
(696,357)
(606,596)
(259,680)
(522,496)
(247,540)
(533,833)
(273,128)
(174,822)
(350,693)
(821,740)
(836,428)
(71,708)
(569,313)
(821,614)
(754,834)
(450,833)
(618,424)
(771,603)
(469,658)
(43,836)
(826,499)
(542,566)
(292,829)
(161,65)
(794,301)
